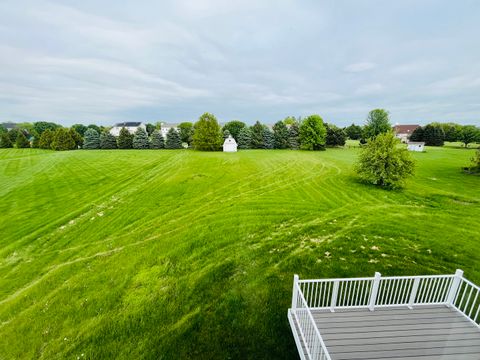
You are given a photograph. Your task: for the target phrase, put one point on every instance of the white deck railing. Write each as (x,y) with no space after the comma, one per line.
(376,292)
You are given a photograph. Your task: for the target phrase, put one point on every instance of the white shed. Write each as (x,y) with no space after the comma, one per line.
(416,146)
(230,145)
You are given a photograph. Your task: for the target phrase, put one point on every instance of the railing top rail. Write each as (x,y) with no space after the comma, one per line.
(317,332)
(471,284)
(383,277)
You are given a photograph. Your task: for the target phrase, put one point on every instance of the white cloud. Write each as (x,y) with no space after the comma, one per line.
(360,67)
(369,89)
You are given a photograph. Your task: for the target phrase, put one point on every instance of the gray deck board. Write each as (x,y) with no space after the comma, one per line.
(422,333)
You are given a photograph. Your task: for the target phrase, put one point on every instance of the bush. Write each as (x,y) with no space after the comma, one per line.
(294,136)
(125,139)
(62,140)
(107,141)
(378,122)
(312,133)
(281,135)
(46,139)
(433,135)
(140,139)
(207,134)
(157,140)
(92,139)
(173,140)
(383,163)
(335,136)
(22,142)
(244,138)
(5,141)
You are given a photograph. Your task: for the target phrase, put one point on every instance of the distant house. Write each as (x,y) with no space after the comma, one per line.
(9,126)
(230,145)
(130,126)
(166,127)
(416,146)
(403,132)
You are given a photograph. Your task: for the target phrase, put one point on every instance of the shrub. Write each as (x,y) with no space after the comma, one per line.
(234,127)
(92,139)
(335,136)
(62,140)
(383,163)
(140,139)
(107,141)
(281,135)
(244,138)
(207,134)
(312,133)
(433,135)
(125,139)
(22,142)
(46,139)
(5,141)
(378,122)
(157,140)
(173,140)
(294,136)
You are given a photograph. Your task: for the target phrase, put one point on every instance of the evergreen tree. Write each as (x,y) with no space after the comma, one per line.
(281,135)
(312,133)
(46,139)
(268,138)
(417,135)
(5,141)
(76,137)
(293,136)
(335,136)
(22,142)
(256,136)
(354,132)
(157,140)
(140,139)
(244,138)
(107,141)
(207,134)
(378,122)
(62,140)
(433,135)
(173,140)
(125,139)
(92,139)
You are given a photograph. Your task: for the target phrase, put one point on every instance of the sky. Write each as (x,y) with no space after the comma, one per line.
(107,61)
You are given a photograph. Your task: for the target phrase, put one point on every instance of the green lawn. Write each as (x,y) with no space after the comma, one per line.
(183,254)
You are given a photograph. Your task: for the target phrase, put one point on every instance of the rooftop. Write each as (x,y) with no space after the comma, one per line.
(128,124)
(405,129)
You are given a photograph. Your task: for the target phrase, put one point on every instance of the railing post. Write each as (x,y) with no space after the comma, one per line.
(374,292)
(413,294)
(453,289)
(333,303)
(295,292)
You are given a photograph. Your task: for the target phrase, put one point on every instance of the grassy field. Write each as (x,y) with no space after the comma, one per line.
(182,254)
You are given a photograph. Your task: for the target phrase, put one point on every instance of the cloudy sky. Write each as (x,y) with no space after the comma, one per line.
(100,62)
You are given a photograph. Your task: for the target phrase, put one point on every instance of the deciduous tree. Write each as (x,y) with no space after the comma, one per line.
(469,134)
(5,141)
(378,122)
(354,132)
(335,136)
(207,134)
(185,130)
(22,142)
(312,133)
(234,128)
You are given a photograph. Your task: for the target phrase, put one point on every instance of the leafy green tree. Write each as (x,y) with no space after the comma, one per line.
(12,134)
(312,133)
(294,136)
(140,139)
(354,132)
(22,142)
(46,139)
(234,128)
(335,136)
(185,130)
(3,129)
(452,131)
(107,141)
(476,161)
(244,138)
(281,135)
(268,138)
(226,134)
(433,135)
(417,134)
(383,163)
(378,122)
(125,139)
(150,129)
(207,134)
(62,140)
(97,128)
(157,140)
(91,140)
(173,140)
(256,136)
(76,137)
(290,120)
(42,126)
(469,134)
(80,128)
(5,141)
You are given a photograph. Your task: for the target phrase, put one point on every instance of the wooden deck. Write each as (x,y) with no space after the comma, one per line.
(423,333)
